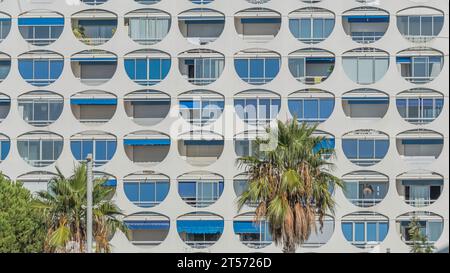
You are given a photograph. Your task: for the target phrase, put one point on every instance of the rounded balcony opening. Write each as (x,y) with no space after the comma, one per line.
(146,148)
(94,2)
(246,143)
(40,108)
(41,27)
(311,105)
(240,185)
(326,147)
(147,26)
(365,188)
(257,25)
(147,2)
(201,26)
(365,147)
(420,24)
(200,189)
(5,25)
(430,226)
(420,105)
(420,188)
(311,65)
(365,229)
(311,25)
(147,107)
(40,67)
(146,189)
(93,67)
(93,107)
(147,229)
(365,25)
(419,146)
(5,146)
(36,181)
(5,106)
(147,67)
(201,107)
(94,27)
(200,148)
(251,232)
(257,66)
(200,229)
(201,66)
(322,234)
(5,66)
(365,65)
(257,107)
(101,145)
(106,180)
(40,148)
(420,65)
(365,104)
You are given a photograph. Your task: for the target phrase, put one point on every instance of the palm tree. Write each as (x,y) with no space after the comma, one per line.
(419,241)
(291,183)
(64,208)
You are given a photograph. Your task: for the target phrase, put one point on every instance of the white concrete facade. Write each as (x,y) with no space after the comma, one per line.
(228,84)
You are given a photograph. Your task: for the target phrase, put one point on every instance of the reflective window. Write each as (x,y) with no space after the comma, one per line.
(146,192)
(257,70)
(40,149)
(41,28)
(365,148)
(101,147)
(40,68)
(362,68)
(311,25)
(147,26)
(40,108)
(149,69)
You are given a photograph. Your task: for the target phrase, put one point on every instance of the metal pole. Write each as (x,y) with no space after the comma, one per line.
(89,203)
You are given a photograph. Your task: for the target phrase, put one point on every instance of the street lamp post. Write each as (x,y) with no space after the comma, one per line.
(89,203)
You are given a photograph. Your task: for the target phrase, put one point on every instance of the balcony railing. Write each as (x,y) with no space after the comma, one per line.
(365,245)
(94,81)
(201,81)
(256,244)
(420,202)
(366,37)
(365,162)
(363,202)
(145,243)
(200,244)
(40,41)
(93,121)
(312,79)
(94,41)
(146,204)
(193,201)
(40,163)
(40,122)
(201,40)
(419,80)
(40,82)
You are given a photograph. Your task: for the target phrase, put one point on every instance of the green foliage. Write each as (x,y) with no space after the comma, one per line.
(64,209)
(22,229)
(419,241)
(291,183)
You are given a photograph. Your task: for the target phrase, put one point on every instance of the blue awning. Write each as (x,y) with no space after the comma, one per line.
(367,18)
(41,21)
(146,142)
(404,60)
(430,182)
(203,142)
(5,101)
(89,60)
(147,225)
(5,19)
(110,183)
(260,20)
(200,226)
(93,101)
(319,60)
(422,141)
(247,227)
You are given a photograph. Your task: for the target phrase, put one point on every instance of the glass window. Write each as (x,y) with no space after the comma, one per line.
(257,70)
